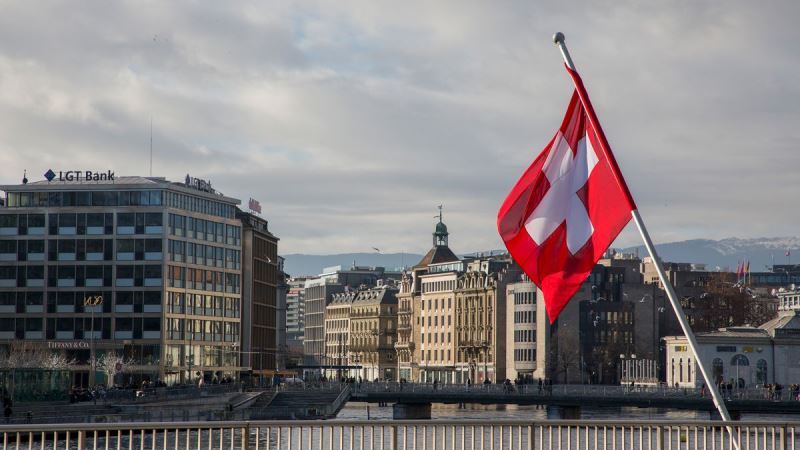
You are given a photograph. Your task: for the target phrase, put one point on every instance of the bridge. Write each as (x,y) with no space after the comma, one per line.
(407,435)
(412,401)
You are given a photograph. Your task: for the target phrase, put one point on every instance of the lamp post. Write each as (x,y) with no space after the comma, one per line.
(92,302)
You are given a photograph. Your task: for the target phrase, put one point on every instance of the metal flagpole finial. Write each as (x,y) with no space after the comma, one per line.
(558,39)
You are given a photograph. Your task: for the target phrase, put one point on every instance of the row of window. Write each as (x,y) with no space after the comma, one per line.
(122,301)
(525,354)
(524,316)
(524,298)
(81,327)
(524,335)
(200,205)
(202,330)
(438,286)
(433,303)
(84,198)
(204,255)
(80,276)
(203,280)
(434,338)
(203,305)
(435,321)
(81,250)
(200,355)
(204,230)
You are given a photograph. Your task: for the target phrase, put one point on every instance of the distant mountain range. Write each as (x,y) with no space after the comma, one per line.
(723,254)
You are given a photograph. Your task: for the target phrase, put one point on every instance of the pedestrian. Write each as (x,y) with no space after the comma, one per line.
(703,390)
(540,386)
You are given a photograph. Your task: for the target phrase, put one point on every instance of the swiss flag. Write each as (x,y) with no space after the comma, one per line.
(568,207)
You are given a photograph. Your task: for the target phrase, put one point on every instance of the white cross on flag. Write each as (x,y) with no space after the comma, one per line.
(568,207)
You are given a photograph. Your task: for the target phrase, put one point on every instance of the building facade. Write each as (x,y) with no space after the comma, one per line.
(159,260)
(373,333)
(319,292)
(521,329)
(260,276)
(452,316)
(337,334)
(295,309)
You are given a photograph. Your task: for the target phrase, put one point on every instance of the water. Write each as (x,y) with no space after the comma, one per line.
(358,411)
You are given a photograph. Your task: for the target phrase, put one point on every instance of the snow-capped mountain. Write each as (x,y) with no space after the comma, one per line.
(725,254)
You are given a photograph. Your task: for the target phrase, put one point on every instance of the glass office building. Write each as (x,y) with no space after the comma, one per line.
(158,262)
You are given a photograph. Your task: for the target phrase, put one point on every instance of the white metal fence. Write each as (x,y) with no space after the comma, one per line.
(406,435)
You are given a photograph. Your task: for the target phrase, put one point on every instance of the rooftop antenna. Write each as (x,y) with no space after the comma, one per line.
(24,176)
(151,145)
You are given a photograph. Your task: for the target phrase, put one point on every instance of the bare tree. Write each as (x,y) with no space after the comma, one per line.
(725,304)
(26,355)
(111,364)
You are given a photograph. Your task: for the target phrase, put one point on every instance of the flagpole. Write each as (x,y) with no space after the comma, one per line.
(558,39)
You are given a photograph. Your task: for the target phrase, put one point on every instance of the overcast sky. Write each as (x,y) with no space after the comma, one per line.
(352,120)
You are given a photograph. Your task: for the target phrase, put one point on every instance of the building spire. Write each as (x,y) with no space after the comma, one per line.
(440,234)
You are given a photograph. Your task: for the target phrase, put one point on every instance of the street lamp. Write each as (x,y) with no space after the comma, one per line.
(92,302)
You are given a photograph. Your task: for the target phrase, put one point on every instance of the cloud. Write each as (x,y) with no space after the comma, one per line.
(351,121)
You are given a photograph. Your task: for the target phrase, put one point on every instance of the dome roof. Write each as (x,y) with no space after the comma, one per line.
(441,228)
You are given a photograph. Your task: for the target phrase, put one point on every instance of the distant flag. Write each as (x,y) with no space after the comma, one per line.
(739,270)
(788,253)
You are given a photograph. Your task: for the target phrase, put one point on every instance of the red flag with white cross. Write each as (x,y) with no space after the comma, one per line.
(568,207)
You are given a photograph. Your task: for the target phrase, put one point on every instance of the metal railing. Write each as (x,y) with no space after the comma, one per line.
(578,390)
(407,435)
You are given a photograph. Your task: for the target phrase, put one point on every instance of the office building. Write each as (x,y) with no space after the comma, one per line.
(260,280)
(164,258)
(521,329)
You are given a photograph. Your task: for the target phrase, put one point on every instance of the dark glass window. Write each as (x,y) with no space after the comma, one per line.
(95,220)
(66,272)
(126,219)
(104,198)
(36,272)
(36,246)
(67,220)
(152,271)
(83,199)
(154,219)
(54,198)
(151,324)
(94,246)
(36,220)
(124,298)
(153,245)
(8,221)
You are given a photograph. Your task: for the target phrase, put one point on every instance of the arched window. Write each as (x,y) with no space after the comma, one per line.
(740,360)
(717,369)
(761,372)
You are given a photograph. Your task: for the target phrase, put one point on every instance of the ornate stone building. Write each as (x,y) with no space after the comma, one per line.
(373,333)
(452,316)
(337,334)
(405,345)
